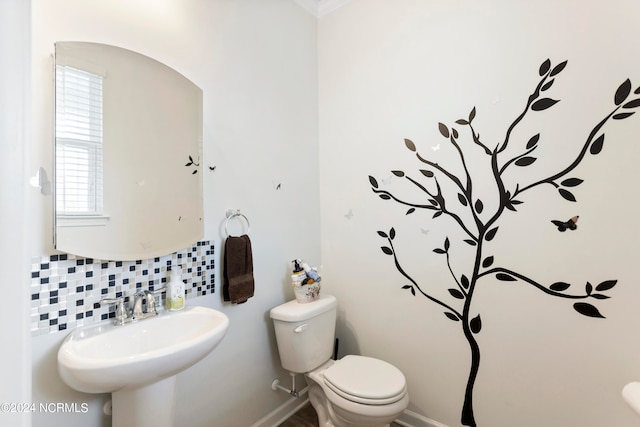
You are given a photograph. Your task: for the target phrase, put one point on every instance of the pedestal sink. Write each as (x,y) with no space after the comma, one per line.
(137,362)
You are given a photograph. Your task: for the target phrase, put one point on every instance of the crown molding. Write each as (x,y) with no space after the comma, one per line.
(320,8)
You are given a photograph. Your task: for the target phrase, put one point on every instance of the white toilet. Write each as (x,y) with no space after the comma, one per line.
(353,391)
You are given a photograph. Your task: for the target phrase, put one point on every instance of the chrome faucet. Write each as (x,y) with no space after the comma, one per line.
(143,305)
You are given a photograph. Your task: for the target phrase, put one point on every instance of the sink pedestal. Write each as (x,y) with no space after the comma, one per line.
(147,406)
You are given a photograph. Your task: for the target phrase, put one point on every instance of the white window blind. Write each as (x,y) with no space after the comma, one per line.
(78,142)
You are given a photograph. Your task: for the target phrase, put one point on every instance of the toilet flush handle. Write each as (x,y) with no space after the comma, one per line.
(301,328)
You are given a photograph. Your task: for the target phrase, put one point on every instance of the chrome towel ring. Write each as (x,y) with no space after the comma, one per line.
(231,214)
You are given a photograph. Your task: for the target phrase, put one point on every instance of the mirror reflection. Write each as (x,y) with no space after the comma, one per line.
(128,144)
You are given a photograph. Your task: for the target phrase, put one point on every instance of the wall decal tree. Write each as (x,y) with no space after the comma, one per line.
(482,226)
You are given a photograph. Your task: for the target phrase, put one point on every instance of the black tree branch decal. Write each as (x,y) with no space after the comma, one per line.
(478,231)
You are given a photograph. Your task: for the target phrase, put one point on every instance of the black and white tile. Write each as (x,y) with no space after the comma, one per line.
(65,289)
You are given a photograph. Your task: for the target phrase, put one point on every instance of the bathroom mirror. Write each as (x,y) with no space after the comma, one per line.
(128,150)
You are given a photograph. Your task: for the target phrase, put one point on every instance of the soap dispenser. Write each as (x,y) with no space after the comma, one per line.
(175,289)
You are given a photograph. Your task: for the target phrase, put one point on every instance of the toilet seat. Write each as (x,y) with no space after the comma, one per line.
(366,380)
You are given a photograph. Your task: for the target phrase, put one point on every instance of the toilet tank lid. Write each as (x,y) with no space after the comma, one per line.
(294,311)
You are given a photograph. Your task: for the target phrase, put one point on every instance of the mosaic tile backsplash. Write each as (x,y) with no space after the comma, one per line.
(65,289)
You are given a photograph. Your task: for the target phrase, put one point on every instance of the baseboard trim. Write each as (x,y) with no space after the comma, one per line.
(413,419)
(282,412)
(293,405)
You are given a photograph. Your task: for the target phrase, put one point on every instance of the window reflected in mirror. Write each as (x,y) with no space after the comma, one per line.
(78,144)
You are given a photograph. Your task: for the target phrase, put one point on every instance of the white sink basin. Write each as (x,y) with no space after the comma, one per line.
(139,360)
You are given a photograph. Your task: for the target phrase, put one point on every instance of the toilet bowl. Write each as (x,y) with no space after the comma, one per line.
(349,392)
(357,391)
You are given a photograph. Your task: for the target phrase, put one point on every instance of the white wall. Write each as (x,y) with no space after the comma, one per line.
(14,132)
(394,70)
(255,60)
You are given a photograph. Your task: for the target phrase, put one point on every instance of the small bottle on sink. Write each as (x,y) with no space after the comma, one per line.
(175,289)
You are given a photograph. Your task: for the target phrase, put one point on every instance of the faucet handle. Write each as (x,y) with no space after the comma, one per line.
(136,310)
(121,312)
(151,302)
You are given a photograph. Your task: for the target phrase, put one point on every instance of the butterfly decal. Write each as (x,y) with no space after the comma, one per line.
(571,224)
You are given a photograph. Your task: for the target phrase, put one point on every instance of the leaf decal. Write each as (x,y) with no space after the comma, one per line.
(588,288)
(413,291)
(387,250)
(543,104)
(463,200)
(470,242)
(533,141)
(410,211)
(392,233)
(587,309)
(451,316)
(572,182)
(491,234)
(547,85)
(596,147)
(475,324)
(454,132)
(456,293)
(385,197)
(567,195)
(599,296)
(558,68)
(505,277)
(632,104)
(373,182)
(545,67)
(479,206)
(437,214)
(462,122)
(464,281)
(410,145)
(606,285)
(623,115)
(398,173)
(382,234)
(488,261)
(446,244)
(472,114)
(559,286)
(426,173)
(525,161)
(444,130)
(623,91)
(439,251)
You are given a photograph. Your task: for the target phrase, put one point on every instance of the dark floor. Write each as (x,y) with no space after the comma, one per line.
(306,417)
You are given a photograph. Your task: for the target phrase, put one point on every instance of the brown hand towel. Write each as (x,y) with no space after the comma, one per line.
(238,269)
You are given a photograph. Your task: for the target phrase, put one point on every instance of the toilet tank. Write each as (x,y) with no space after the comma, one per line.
(305,333)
